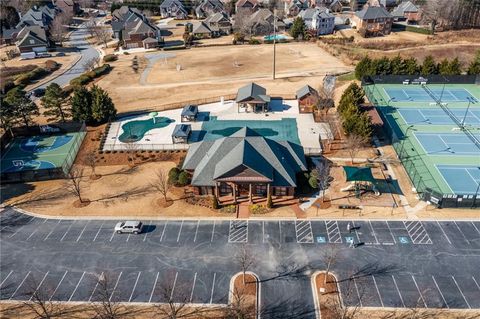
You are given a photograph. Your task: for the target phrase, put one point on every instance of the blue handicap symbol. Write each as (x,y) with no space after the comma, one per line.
(321,239)
(349,239)
(403,240)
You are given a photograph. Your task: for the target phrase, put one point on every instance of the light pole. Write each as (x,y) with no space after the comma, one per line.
(403,141)
(274,39)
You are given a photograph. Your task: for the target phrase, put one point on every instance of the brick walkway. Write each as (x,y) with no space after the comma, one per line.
(243,211)
(298,211)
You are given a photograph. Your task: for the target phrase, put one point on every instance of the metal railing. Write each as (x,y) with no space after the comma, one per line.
(145,147)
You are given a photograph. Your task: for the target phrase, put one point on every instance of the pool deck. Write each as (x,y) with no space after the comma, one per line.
(160,139)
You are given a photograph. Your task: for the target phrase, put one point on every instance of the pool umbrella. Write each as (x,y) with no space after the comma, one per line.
(152,115)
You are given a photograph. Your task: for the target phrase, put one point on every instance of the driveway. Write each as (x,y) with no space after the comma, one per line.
(401,264)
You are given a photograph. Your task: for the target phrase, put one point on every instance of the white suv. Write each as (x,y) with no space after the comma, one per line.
(130,226)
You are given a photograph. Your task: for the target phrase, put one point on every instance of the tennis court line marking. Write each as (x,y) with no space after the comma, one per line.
(443,178)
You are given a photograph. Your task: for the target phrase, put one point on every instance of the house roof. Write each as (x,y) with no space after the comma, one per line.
(150,40)
(35,33)
(241,3)
(371,13)
(403,7)
(201,28)
(245,150)
(190,110)
(10,33)
(217,17)
(252,91)
(167,3)
(305,90)
(182,130)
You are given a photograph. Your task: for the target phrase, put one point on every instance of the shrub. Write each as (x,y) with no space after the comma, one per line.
(173,176)
(182,178)
(313,182)
(180,47)
(26,78)
(51,65)
(126,53)
(214,202)
(258,209)
(269,201)
(110,58)
(253,41)
(230,209)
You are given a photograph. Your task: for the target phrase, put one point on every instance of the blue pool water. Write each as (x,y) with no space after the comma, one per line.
(276,37)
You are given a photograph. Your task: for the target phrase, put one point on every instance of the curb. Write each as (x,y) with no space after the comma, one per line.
(259,291)
(60,74)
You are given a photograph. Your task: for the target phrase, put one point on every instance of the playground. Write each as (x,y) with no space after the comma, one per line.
(435,130)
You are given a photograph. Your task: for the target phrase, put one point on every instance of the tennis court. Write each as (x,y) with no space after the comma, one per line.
(461,179)
(436,116)
(418,94)
(39,152)
(447,144)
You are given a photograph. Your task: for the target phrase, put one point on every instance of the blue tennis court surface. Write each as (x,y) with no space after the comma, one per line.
(418,94)
(437,116)
(447,144)
(461,179)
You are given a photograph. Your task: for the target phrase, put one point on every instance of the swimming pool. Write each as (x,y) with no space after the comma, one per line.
(134,131)
(276,37)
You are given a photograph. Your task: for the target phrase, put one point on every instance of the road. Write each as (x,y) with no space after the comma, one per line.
(402,263)
(76,42)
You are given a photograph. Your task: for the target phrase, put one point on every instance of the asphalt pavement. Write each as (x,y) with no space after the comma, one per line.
(399,264)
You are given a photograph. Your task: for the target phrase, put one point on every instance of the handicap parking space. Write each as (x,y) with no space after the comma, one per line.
(238,231)
(417,232)
(399,232)
(333,232)
(303,232)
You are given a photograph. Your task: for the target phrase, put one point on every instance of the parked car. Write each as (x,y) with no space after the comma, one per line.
(38,92)
(129,226)
(60,54)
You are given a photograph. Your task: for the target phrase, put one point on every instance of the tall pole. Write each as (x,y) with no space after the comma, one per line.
(466,112)
(274,38)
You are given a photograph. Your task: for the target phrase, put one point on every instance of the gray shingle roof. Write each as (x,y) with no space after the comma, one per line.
(277,161)
(371,13)
(403,7)
(182,130)
(305,90)
(252,91)
(190,110)
(200,28)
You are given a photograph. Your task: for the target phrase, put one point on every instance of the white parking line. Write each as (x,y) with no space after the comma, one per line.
(16,290)
(391,233)
(474,226)
(441,294)
(398,290)
(38,287)
(280,230)
(21,227)
(115,287)
(448,239)
(476,283)
(358,292)
(134,286)
(113,234)
(33,233)
(263,230)
(3,281)
(59,283)
(173,287)
(213,287)
(163,231)
(213,231)
(180,231)
(81,233)
(146,233)
(153,288)
(193,287)
(356,232)
(68,229)
(378,291)
(419,292)
(461,292)
(95,288)
(461,232)
(98,232)
(53,228)
(374,235)
(45,220)
(76,287)
(128,237)
(196,231)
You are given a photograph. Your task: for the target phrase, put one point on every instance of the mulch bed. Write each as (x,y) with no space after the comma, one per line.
(328,297)
(162,203)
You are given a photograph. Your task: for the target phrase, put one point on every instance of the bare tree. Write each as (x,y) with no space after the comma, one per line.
(92,63)
(353,144)
(161,183)
(91,26)
(323,176)
(104,305)
(74,183)
(329,256)
(245,259)
(131,149)
(240,306)
(91,160)
(58,29)
(103,34)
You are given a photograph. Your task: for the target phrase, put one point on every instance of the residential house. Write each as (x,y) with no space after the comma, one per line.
(261,22)
(250,5)
(294,7)
(307,98)
(319,19)
(245,166)
(388,4)
(134,30)
(69,7)
(336,6)
(208,7)
(407,11)
(356,5)
(32,39)
(373,21)
(219,24)
(9,36)
(39,16)
(201,30)
(173,9)
(252,97)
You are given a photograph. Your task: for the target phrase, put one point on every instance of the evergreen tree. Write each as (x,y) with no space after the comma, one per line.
(54,102)
(383,66)
(411,66)
(298,28)
(102,105)
(444,67)
(474,67)
(454,67)
(397,65)
(23,108)
(363,68)
(82,105)
(429,67)
(8,119)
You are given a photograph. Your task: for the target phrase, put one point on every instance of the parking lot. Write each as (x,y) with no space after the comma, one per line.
(398,264)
